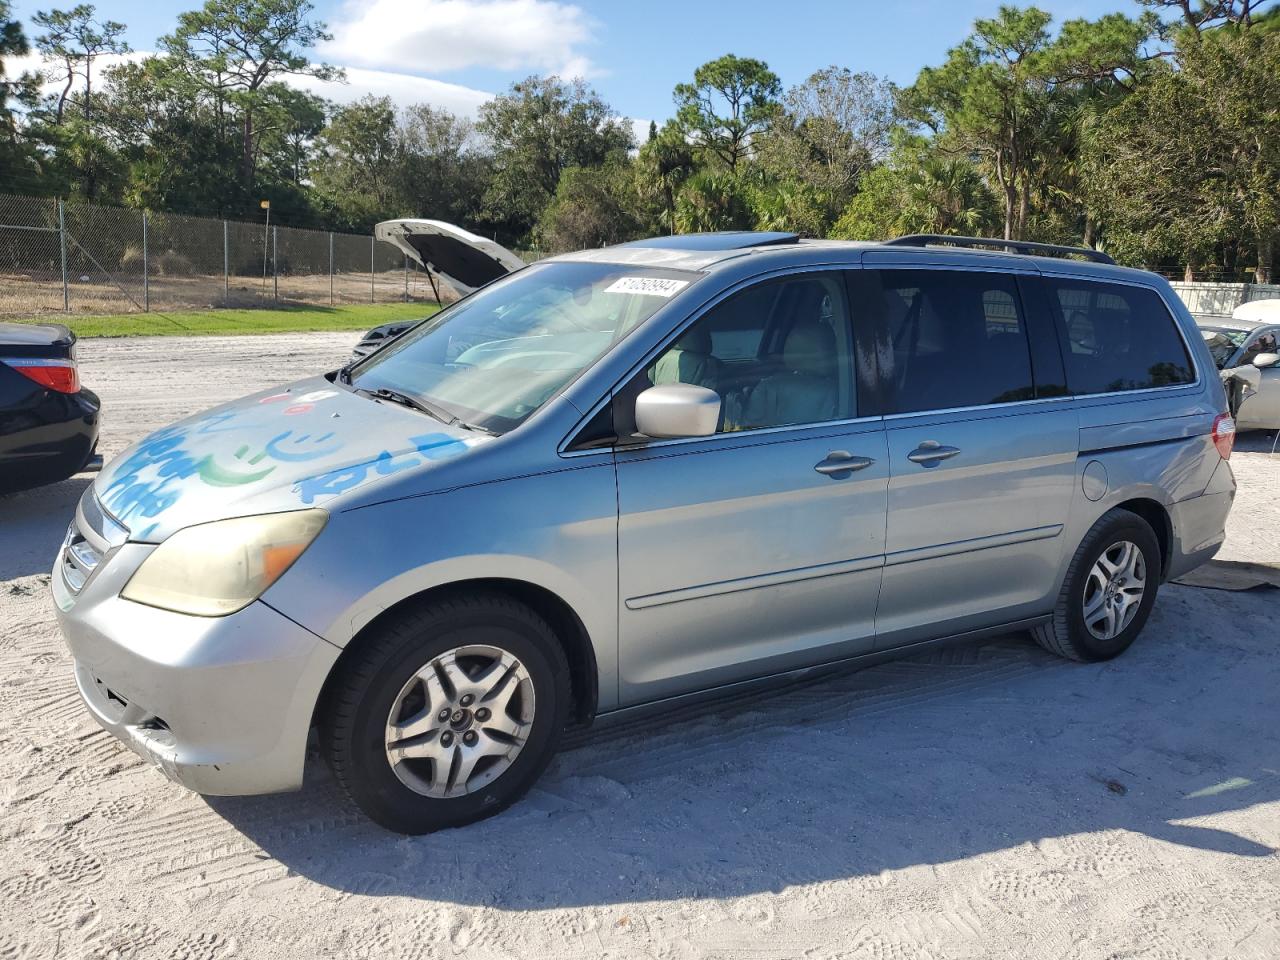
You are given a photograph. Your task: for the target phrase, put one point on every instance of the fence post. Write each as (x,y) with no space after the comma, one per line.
(406,279)
(226,266)
(331,268)
(146,274)
(62,239)
(371,293)
(275,266)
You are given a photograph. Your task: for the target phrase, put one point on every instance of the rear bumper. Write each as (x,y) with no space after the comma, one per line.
(221,705)
(59,441)
(1200,523)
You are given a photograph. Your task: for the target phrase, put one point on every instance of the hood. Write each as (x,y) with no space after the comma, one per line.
(463,259)
(287,448)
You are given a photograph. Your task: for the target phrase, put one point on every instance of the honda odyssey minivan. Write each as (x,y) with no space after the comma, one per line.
(619,479)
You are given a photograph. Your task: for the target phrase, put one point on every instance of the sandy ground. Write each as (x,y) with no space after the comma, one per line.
(983,801)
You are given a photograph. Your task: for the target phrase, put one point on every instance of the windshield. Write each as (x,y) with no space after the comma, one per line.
(1223,343)
(494,358)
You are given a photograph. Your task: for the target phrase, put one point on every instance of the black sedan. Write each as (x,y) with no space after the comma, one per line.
(48,421)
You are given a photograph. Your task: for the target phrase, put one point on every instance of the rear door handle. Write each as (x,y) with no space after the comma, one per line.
(841,463)
(931,452)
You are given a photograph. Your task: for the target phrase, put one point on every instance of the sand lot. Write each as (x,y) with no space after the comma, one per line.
(986,800)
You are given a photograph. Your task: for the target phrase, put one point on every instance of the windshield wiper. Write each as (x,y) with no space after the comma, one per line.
(476,428)
(414,403)
(439,413)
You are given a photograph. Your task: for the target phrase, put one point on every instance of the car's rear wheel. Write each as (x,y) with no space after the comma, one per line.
(1108,592)
(447,713)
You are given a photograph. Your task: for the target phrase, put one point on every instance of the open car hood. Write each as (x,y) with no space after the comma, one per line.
(464,260)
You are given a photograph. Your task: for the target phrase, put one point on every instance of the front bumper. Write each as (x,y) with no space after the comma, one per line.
(221,705)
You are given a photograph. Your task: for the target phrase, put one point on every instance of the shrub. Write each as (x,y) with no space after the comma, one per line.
(132,258)
(172,264)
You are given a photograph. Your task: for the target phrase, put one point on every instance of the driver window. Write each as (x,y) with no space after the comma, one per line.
(778,354)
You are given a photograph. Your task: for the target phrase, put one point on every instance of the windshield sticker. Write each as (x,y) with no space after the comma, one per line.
(647,286)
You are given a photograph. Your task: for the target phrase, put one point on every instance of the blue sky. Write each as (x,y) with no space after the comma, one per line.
(456,52)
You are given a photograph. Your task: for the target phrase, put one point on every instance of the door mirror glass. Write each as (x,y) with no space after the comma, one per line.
(1266,360)
(677,410)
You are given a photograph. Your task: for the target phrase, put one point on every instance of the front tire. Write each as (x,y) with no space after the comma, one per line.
(1108,592)
(448,713)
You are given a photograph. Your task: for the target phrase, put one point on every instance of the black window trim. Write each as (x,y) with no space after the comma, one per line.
(1048,365)
(876,412)
(1012,408)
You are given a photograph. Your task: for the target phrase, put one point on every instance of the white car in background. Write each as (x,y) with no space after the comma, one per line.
(1237,342)
(1266,312)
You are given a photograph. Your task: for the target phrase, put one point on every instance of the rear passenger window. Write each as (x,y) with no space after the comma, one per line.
(1116,337)
(959,339)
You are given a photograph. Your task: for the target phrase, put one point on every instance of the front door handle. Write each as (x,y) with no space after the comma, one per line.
(931,452)
(841,463)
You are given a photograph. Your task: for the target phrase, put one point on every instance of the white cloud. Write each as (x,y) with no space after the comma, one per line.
(436,36)
(404,90)
(32,63)
(386,47)
(639,129)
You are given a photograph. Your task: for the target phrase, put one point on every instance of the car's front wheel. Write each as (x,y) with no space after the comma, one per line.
(447,713)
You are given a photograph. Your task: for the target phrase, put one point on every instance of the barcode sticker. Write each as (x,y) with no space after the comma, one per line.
(647,286)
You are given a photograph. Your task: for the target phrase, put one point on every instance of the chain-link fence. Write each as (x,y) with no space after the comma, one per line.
(61,257)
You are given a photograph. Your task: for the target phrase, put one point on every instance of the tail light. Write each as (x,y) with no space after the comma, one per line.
(1224,434)
(56,374)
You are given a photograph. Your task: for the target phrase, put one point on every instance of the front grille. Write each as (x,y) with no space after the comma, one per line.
(79,559)
(91,536)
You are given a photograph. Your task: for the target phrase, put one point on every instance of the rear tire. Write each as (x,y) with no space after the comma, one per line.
(1108,592)
(448,713)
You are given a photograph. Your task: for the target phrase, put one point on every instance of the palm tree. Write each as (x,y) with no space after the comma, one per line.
(946,194)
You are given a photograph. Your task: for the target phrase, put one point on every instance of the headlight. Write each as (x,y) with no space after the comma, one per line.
(213,569)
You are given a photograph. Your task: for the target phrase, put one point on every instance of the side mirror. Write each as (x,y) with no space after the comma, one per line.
(677,410)
(1263,360)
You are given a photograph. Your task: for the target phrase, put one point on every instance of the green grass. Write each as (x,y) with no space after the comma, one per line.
(206,322)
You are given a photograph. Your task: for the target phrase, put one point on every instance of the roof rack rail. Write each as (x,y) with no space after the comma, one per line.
(1017,246)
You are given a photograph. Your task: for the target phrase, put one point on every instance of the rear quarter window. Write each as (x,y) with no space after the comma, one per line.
(1116,337)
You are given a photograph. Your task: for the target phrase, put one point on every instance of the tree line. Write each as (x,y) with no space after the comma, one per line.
(1154,136)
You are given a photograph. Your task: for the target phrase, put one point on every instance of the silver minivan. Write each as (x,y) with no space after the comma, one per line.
(623,478)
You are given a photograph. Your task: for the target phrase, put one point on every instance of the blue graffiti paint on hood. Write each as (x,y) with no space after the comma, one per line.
(290,448)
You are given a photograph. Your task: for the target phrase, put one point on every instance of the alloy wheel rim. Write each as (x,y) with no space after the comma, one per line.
(460,721)
(1113,590)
